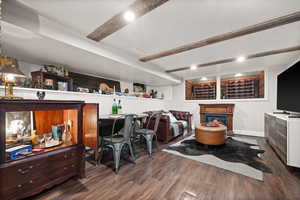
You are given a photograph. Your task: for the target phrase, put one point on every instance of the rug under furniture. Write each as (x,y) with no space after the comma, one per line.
(239,155)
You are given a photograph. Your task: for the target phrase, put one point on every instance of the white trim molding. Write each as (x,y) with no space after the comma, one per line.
(249,133)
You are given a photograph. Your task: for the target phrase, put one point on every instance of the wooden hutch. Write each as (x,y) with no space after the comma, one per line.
(33,173)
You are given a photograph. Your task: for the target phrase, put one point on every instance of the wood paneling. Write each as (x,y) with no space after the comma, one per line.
(227,36)
(90,127)
(188,89)
(139,8)
(44,119)
(261,78)
(73,116)
(229,60)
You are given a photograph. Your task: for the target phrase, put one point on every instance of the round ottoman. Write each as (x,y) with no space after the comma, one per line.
(211,135)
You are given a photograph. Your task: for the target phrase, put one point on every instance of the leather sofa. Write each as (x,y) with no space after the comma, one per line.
(165,132)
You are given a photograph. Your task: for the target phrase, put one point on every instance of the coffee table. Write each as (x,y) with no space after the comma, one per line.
(211,135)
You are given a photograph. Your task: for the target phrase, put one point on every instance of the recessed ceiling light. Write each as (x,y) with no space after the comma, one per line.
(203,79)
(238,75)
(241,59)
(193,67)
(129,16)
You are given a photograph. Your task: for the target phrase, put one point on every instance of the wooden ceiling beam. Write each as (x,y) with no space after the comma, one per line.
(251,56)
(139,8)
(227,36)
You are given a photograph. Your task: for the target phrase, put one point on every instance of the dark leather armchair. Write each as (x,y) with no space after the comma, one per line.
(165,131)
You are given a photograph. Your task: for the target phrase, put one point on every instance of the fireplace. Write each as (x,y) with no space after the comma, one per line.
(222,112)
(222,118)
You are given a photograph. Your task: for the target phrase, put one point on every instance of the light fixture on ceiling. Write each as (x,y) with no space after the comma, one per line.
(238,75)
(241,59)
(129,16)
(203,79)
(193,67)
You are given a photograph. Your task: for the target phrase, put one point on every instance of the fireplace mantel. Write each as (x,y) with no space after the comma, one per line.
(226,109)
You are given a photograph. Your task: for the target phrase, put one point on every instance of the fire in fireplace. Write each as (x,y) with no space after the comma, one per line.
(222,118)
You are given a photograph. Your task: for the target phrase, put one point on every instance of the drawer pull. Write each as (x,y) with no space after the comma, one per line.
(65,156)
(19,186)
(23,171)
(65,168)
(73,166)
(30,167)
(31,181)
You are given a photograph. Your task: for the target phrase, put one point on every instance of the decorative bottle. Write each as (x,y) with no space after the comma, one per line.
(120,107)
(114,108)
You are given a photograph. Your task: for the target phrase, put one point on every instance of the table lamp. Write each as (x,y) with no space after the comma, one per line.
(9,69)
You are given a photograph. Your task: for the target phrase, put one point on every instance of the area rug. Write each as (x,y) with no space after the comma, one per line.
(240,155)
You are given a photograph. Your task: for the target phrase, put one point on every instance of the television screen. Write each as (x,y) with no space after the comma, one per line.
(288,89)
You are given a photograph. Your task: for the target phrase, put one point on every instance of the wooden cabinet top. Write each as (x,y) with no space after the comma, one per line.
(34,101)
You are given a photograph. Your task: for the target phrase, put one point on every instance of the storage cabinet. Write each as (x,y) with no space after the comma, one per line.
(31,174)
(283,134)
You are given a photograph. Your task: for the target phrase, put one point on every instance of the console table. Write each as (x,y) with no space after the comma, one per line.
(283,134)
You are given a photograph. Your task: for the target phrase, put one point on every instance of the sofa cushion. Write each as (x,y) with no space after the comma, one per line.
(180,115)
(172,118)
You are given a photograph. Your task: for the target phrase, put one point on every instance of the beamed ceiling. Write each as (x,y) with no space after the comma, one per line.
(167,35)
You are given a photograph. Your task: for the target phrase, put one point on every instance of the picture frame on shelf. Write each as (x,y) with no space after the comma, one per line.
(62,86)
(139,88)
(19,125)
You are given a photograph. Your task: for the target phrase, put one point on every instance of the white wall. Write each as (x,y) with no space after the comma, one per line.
(248,114)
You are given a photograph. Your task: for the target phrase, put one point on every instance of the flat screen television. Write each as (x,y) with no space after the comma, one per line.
(288,89)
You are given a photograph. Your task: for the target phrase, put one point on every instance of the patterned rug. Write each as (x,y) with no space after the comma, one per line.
(239,154)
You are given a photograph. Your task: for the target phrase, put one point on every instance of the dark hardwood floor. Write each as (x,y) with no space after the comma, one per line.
(169,177)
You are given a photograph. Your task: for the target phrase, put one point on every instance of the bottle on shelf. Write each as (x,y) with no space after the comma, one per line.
(119,107)
(114,108)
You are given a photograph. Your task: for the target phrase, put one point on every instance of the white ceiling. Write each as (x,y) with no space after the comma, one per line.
(177,22)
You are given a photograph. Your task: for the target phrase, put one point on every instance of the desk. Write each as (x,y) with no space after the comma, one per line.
(105,123)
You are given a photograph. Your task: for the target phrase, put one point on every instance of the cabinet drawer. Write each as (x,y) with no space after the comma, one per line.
(281,127)
(15,174)
(66,171)
(22,187)
(62,159)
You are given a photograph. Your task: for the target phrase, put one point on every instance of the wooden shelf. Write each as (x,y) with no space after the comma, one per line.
(204,90)
(240,88)
(38,80)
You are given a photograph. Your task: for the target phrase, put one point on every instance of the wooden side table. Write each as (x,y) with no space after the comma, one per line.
(211,135)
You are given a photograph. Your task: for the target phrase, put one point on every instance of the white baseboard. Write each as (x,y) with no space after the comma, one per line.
(250,133)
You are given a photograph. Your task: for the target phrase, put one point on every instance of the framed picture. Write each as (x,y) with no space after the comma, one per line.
(63,86)
(19,124)
(139,88)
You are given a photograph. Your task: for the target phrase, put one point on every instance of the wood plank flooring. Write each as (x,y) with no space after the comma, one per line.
(169,177)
